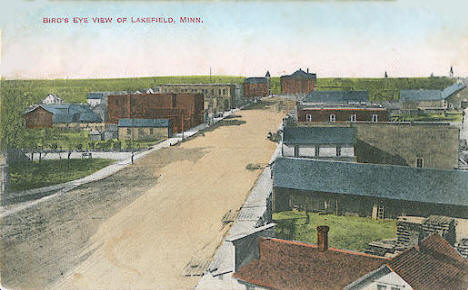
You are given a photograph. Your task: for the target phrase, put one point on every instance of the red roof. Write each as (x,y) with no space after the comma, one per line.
(294,265)
(432,265)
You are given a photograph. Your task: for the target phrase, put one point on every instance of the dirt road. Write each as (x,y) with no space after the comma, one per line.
(171,212)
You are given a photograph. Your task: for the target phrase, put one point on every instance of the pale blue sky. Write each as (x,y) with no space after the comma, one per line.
(332,38)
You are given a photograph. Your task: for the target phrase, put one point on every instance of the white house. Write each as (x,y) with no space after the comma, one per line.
(52,99)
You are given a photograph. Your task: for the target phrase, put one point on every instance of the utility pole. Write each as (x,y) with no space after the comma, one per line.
(210,74)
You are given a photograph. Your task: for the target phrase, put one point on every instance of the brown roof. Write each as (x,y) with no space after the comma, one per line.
(432,265)
(295,265)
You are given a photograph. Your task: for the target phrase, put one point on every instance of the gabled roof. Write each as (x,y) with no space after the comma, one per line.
(157,123)
(295,265)
(318,135)
(430,95)
(69,113)
(373,180)
(337,97)
(32,108)
(256,80)
(434,264)
(301,75)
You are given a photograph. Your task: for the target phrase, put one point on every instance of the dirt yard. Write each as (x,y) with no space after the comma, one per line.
(171,214)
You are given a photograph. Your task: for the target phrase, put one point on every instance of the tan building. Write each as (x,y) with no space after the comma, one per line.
(141,129)
(217,97)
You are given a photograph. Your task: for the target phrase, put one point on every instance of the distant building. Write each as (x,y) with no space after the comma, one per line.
(38,117)
(185,110)
(298,83)
(52,99)
(433,264)
(257,87)
(339,114)
(334,143)
(283,264)
(217,97)
(140,129)
(337,97)
(374,190)
(64,115)
(432,100)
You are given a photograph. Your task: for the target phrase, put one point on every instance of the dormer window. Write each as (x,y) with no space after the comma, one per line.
(353,118)
(375,118)
(332,118)
(309,118)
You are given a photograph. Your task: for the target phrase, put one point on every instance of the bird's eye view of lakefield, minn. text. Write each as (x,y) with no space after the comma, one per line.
(234,145)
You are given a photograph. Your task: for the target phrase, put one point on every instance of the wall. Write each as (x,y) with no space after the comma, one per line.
(39,118)
(343,115)
(142,133)
(296,85)
(285,199)
(254,90)
(158,106)
(402,144)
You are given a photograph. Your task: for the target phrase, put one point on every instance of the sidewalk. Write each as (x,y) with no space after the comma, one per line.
(100,174)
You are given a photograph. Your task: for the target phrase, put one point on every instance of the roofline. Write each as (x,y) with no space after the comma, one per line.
(315,246)
(362,278)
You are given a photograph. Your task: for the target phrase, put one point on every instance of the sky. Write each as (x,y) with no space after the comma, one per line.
(241,38)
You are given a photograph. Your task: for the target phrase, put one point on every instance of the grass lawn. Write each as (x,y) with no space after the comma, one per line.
(429,117)
(28,175)
(346,232)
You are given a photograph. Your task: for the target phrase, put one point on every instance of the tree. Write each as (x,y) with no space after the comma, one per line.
(386,75)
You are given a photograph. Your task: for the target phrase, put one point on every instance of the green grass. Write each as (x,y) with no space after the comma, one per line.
(28,175)
(430,117)
(346,232)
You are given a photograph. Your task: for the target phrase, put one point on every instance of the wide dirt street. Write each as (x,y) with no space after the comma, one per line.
(152,219)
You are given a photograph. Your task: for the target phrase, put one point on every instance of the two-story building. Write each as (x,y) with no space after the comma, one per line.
(332,143)
(298,83)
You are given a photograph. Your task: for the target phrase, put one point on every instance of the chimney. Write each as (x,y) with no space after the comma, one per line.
(322,238)
(307,70)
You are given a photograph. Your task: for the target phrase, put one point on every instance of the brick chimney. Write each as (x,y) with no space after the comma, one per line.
(322,238)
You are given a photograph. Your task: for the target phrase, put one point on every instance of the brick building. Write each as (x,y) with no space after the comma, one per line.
(255,87)
(175,107)
(38,117)
(342,114)
(216,97)
(298,83)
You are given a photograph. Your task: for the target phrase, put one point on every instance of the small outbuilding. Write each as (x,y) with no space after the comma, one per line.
(140,129)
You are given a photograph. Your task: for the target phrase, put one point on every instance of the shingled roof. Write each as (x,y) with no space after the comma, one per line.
(430,95)
(156,123)
(337,97)
(434,264)
(256,80)
(295,265)
(319,135)
(300,74)
(373,180)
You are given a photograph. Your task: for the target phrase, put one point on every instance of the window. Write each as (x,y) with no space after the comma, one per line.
(395,288)
(381,287)
(224,92)
(141,131)
(151,131)
(353,118)
(219,92)
(129,131)
(317,150)
(338,150)
(332,118)
(309,118)
(419,163)
(375,118)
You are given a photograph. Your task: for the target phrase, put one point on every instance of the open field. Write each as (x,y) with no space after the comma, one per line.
(27,175)
(142,226)
(346,232)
